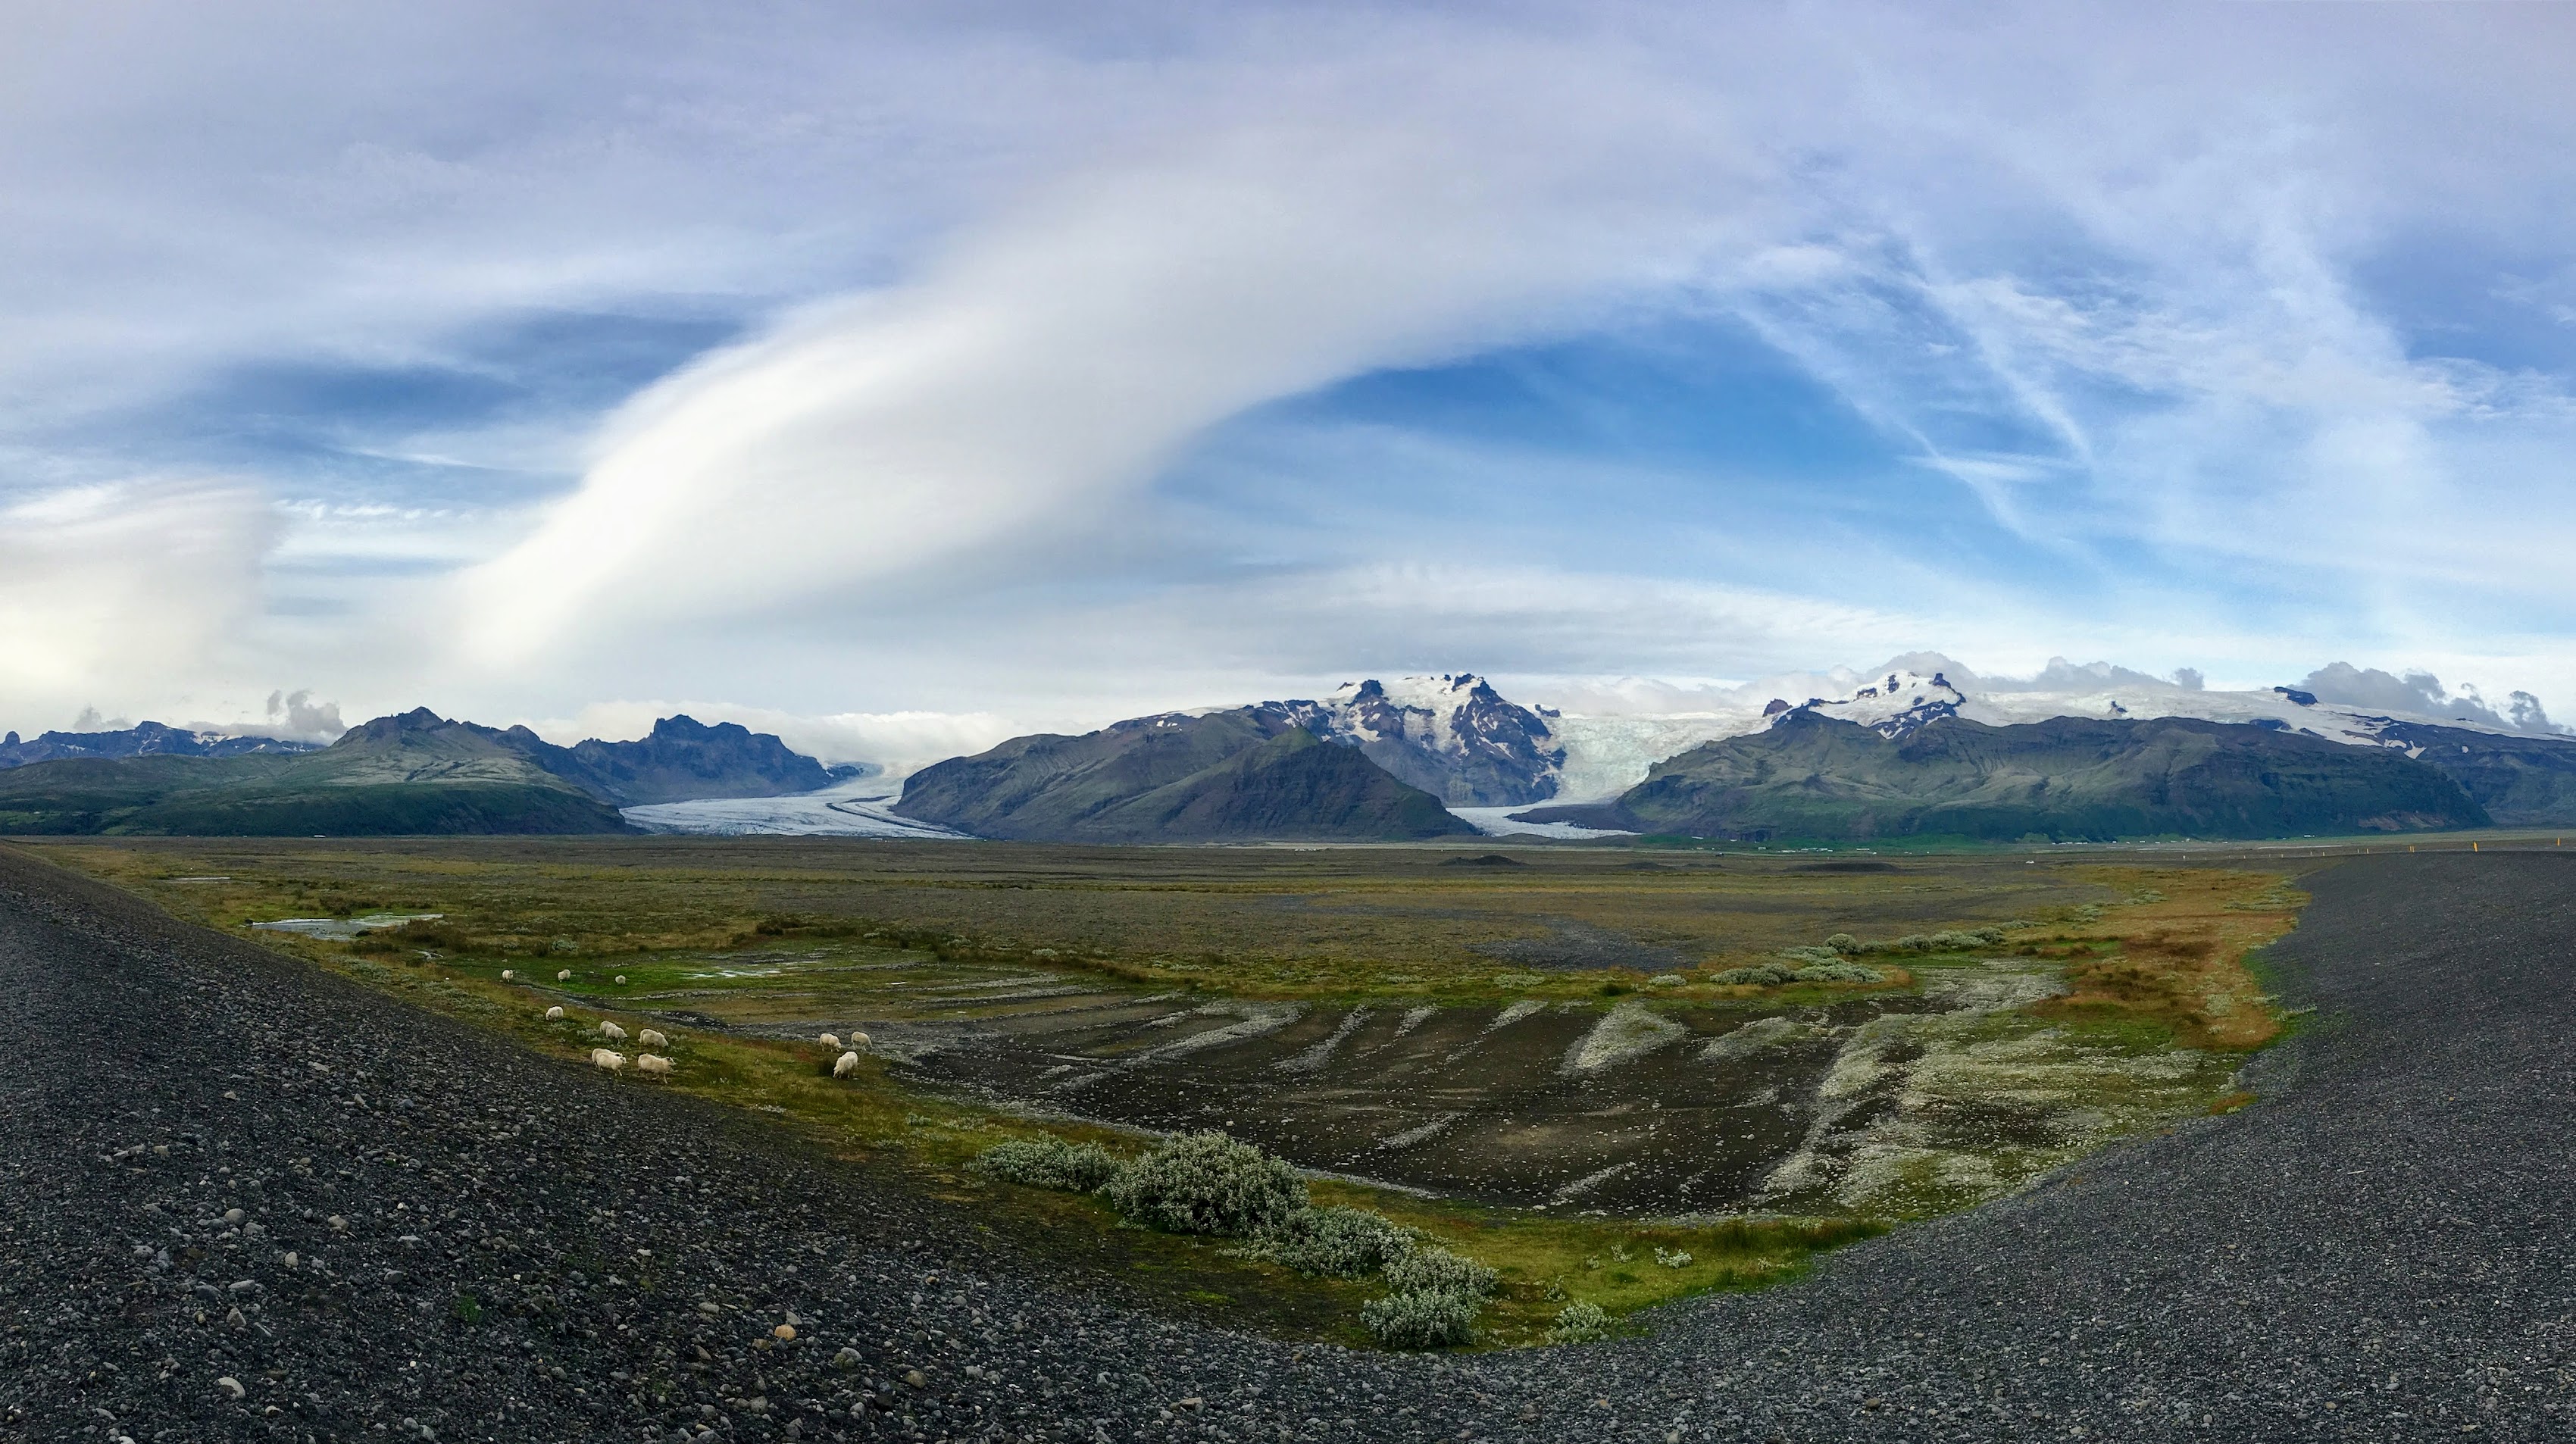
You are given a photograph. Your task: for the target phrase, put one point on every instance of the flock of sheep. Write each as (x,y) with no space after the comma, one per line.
(657,1065)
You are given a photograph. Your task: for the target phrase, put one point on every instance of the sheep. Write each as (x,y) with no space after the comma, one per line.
(858,1040)
(829,1040)
(845,1065)
(563,975)
(555,1014)
(651,1038)
(606,1061)
(652,1065)
(508,973)
(621,980)
(611,1031)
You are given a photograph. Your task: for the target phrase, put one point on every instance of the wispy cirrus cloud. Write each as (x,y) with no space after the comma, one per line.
(1042,361)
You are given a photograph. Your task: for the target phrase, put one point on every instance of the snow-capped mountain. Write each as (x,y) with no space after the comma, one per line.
(1451,735)
(1892,706)
(1607,752)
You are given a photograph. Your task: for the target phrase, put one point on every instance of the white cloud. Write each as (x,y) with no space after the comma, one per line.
(1055,356)
(2107,274)
(125,595)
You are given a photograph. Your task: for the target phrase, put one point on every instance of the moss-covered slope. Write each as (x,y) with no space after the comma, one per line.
(1243,775)
(2065,778)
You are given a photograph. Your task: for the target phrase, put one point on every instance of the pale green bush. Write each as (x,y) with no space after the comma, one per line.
(1580,1323)
(1333,1241)
(1429,1320)
(1207,1183)
(1048,1162)
(1437,1270)
(1840,973)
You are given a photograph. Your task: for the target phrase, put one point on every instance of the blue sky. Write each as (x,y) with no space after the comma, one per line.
(909,375)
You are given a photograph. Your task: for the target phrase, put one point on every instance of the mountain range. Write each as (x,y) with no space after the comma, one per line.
(1812,776)
(415,772)
(1240,775)
(1922,747)
(147,739)
(1909,751)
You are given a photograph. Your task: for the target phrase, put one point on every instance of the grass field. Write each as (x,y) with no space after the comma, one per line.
(2149,964)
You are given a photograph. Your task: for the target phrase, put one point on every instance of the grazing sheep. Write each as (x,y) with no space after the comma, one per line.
(845,1065)
(651,1038)
(611,1031)
(508,973)
(621,980)
(563,975)
(554,1014)
(829,1040)
(652,1065)
(603,1059)
(858,1040)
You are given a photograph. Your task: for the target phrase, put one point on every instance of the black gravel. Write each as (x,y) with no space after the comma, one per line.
(490,1245)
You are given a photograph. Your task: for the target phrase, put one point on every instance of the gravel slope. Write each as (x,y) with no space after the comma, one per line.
(2376,1251)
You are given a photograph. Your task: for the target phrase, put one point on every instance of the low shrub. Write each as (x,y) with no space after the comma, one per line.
(1427,1320)
(1438,1271)
(1767,975)
(1207,1183)
(1048,1162)
(1843,943)
(1840,973)
(1580,1323)
(1333,1242)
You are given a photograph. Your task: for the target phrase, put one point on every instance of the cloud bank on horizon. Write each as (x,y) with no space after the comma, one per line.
(923,369)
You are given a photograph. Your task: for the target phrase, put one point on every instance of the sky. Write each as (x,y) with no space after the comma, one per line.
(904,376)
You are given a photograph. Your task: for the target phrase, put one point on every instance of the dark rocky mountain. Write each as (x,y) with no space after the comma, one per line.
(1452,735)
(1241,775)
(2521,781)
(682,759)
(414,772)
(144,739)
(1812,776)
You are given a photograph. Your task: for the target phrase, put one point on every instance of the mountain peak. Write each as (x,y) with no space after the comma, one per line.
(1894,705)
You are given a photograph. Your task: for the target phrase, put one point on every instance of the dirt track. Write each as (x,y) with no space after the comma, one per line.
(2378,1250)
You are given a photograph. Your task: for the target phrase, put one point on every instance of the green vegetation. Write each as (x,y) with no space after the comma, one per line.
(2068,777)
(1250,773)
(1207,1183)
(376,781)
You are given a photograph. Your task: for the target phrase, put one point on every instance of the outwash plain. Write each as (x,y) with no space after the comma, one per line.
(1981,1144)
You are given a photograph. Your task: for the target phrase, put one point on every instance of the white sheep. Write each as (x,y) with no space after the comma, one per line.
(845,1065)
(611,1031)
(508,973)
(858,1040)
(829,1040)
(606,1061)
(563,975)
(621,980)
(652,1065)
(555,1014)
(651,1038)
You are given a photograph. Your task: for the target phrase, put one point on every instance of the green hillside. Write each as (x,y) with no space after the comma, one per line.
(417,773)
(1227,776)
(1813,777)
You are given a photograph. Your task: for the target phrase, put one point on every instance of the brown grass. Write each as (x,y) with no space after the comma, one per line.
(2177,961)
